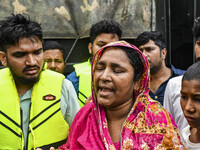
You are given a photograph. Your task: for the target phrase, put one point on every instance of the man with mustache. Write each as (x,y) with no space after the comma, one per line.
(153,46)
(54,56)
(37,105)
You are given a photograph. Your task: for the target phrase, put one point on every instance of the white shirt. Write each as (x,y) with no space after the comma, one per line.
(185,137)
(172,101)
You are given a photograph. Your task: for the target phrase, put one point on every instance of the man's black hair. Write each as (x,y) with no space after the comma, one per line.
(146,36)
(192,73)
(47,45)
(105,26)
(16,27)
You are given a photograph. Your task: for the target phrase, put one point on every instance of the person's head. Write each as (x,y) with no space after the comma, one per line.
(21,43)
(196,34)
(190,95)
(153,46)
(118,69)
(54,56)
(102,33)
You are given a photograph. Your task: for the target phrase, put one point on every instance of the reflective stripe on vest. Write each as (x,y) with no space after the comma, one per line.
(83,71)
(11,136)
(47,125)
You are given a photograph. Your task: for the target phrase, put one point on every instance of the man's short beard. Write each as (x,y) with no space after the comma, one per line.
(155,69)
(24,80)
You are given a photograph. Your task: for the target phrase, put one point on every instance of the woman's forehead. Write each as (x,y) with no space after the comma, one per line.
(114,53)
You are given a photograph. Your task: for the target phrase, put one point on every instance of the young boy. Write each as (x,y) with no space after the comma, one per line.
(190,103)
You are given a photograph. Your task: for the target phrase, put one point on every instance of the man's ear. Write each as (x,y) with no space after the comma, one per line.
(164,53)
(3,58)
(90,48)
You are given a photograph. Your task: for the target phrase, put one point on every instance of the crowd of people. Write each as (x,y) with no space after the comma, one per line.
(124,97)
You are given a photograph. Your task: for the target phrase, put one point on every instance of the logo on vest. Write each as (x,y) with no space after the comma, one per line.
(49,97)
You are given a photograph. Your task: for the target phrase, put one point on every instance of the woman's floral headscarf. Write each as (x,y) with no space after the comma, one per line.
(144,86)
(139,118)
(147,126)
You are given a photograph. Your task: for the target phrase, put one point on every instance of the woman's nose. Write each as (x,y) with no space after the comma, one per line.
(106,75)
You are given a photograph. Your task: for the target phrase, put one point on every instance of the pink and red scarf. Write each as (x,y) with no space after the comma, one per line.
(148,125)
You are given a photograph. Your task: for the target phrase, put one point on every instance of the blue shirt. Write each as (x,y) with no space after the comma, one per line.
(159,95)
(75,80)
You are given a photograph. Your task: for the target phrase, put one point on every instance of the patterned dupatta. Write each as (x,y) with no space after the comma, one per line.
(147,123)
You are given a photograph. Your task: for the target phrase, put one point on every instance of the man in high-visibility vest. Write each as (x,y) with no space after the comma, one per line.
(101,33)
(37,105)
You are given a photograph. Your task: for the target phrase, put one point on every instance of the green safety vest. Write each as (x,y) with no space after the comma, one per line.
(47,126)
(83,71)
